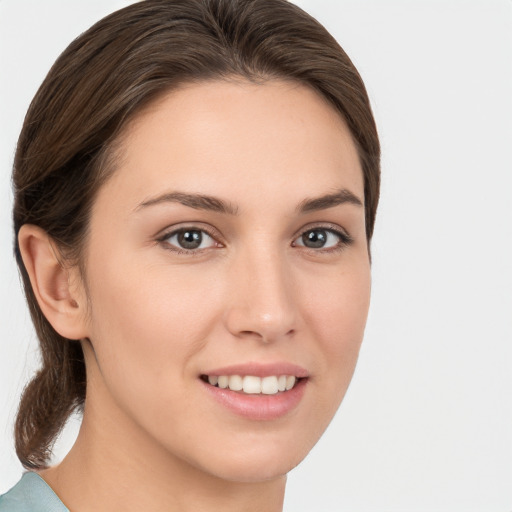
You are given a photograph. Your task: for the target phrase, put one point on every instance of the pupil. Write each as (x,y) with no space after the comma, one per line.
(190,239)
(315,239)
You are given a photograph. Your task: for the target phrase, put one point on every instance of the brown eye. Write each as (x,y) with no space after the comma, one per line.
(322,238)
(315,239)
(189,239)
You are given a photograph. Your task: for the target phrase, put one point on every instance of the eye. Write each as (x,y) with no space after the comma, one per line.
(322,238)
(188,239)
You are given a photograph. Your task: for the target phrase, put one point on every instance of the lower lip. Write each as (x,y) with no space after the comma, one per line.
(259,407)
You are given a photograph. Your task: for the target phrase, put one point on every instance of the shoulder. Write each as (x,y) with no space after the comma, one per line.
(31,494)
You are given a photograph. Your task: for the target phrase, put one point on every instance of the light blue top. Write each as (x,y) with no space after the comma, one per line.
(31,494)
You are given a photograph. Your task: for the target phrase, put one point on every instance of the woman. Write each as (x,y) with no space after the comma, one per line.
(205,315)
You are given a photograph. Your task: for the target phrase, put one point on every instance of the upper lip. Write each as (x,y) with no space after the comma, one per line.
(260,370)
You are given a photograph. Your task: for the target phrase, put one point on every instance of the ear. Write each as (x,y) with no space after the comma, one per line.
(57,288)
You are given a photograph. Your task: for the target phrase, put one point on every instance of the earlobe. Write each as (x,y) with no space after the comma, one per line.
(53,283)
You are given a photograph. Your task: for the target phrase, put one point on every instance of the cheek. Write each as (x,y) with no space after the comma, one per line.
(146,326)
(337,313)
(338,307)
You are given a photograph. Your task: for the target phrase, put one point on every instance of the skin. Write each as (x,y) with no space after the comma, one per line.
(152,320)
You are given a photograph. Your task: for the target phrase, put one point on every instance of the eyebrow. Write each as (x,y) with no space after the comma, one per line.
(342,196)
(196,201)
(215,204)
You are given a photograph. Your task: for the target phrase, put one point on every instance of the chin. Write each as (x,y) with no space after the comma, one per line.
(255,472)
(259,461)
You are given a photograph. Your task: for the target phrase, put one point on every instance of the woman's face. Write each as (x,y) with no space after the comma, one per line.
(229,246)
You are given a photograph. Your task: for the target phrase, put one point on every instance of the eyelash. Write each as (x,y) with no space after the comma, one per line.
(179,250)
(344,240)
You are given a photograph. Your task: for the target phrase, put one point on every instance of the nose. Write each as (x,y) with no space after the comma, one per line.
(261,303)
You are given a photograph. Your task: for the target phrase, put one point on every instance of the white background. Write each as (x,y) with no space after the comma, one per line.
(427,422)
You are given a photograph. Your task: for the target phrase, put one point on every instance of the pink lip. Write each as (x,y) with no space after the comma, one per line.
(261,370)
(259,407)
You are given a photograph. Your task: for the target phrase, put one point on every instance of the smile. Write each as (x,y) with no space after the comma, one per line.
(253,385)
(256,391)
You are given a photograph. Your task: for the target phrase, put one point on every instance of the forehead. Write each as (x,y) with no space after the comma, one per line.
(249,141)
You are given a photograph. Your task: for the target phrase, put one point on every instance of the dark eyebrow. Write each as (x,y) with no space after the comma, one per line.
(196,201)
(205,202)
(328,201)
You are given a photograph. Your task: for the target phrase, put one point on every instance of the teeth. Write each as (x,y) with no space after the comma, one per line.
(235,383)
(269,385)
(290,382)
(254,385)
(223,381)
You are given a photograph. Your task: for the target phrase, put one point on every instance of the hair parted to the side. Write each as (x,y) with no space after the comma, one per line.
(99,83)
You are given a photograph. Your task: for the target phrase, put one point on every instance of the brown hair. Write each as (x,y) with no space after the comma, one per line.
(99,83)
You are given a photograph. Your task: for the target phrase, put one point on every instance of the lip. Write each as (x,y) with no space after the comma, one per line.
(260,370)
(259,407)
